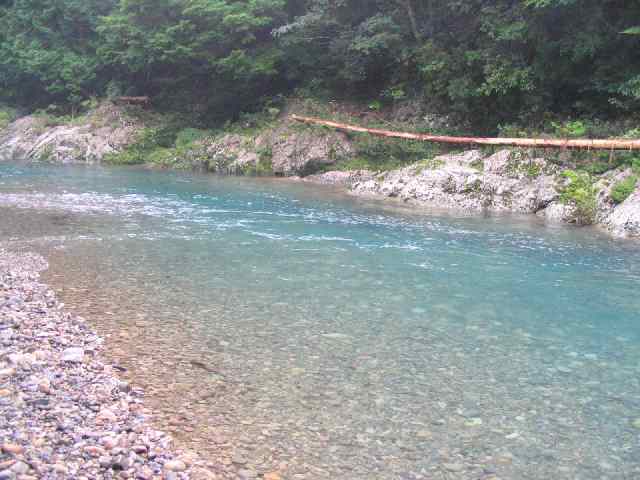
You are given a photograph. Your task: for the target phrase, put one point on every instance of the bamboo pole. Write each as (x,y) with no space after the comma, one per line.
(578,143)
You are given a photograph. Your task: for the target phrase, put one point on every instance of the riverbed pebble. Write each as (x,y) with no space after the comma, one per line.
(65,413)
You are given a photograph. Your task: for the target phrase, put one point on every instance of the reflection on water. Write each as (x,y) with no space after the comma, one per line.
(281,327)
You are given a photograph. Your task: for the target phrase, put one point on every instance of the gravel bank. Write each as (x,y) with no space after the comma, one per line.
(63,411)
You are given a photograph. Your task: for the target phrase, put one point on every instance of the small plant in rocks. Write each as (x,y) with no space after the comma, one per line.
(579,190)
(621,190)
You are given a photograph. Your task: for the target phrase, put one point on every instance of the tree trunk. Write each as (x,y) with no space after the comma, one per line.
(584,143)
(411,13)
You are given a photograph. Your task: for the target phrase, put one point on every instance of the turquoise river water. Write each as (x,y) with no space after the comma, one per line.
(278,326)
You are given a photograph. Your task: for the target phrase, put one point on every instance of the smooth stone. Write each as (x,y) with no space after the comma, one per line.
(202,474)
(175,466)
(145,473)
(12,448)
(94,451)
(20,468)
(636,423)
(337,336)
(272,476)
(453,467)
(19,359)
(247,474)
(73,354)
(605,465)
(109,442)
(59,468)
(239,459)
(121,462)
(106,416)
(473,422)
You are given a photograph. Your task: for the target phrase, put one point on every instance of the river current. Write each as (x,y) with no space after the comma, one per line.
(280,326)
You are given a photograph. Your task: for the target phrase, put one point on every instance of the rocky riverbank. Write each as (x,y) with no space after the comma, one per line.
(507,181)
(515,180)
(64,414)
(88,139)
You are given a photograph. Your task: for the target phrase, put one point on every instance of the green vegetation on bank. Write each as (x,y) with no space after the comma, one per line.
(7,115)
(579,191)
(623,189)
(492,66)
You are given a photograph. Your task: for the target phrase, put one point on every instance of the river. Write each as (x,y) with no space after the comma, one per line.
(282,326)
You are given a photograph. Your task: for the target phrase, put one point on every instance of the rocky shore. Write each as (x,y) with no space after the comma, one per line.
(64,414)
(514,180)
(507,181)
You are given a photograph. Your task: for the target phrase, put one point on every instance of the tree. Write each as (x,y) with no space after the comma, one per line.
(214,53)
(47,50)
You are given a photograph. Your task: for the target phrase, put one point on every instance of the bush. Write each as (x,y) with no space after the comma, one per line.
(580,192)
(598,168)
(576,128)
(7,115)
(375,153)
(187,136)
(621,190)
(163,157)
(148,141)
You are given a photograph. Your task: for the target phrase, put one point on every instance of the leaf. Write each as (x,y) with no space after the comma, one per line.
(631,31)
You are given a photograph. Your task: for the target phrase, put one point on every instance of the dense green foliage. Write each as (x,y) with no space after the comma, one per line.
(490,63)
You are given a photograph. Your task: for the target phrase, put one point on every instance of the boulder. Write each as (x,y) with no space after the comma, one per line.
(284,149)
(300,152)
(88,140)
(341,177)
(624,221)
(460,181)
(558,212)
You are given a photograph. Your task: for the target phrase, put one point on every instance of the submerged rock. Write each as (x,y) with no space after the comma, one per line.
(74,355)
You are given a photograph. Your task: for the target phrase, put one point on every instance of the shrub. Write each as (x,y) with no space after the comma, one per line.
(187,136)
(148,140)
(580,192)
(575,128)
(429,164)
(377,153)
(621,190)
(164,157)
(598,168)
(7,115)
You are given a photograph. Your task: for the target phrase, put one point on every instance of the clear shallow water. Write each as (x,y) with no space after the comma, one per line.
(279,326)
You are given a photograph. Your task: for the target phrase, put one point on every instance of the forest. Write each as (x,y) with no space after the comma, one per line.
(485,63)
